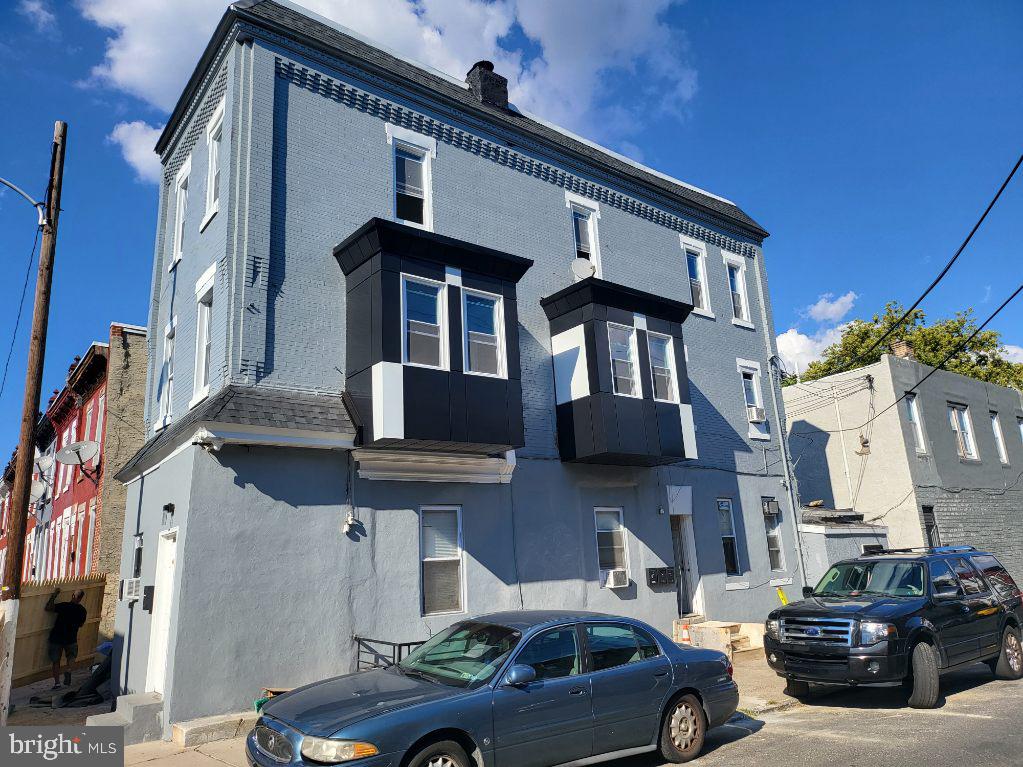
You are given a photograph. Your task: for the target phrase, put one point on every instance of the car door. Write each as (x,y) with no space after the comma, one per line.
(950,616)
(983,605)
(630,678)
(550,720)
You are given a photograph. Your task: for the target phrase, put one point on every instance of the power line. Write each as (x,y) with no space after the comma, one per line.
(21,306)
(859,358)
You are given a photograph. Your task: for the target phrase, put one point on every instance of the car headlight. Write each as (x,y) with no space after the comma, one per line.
(773,628)
(333,751)
(871,633)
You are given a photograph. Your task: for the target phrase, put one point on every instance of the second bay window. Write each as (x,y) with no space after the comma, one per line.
(662,367)
(482,340)
(424,332)
(622,340)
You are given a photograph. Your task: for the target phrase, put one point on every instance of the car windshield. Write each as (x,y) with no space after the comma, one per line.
(881,578)
(464,655)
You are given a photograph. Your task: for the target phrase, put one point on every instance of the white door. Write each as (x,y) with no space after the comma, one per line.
(163,593)
(680,503)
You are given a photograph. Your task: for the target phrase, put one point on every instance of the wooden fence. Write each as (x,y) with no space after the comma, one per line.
(34,623)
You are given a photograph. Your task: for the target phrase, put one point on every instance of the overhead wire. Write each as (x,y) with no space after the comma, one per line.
(21,307)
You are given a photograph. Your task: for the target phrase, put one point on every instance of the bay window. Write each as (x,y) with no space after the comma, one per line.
(662,367)
(424,334)
(482,340)
(622,340)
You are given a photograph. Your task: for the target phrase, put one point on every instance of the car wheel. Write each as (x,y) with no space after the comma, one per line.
(446,753)
(1010,661)
(796,689)
(683,731)
(925,677)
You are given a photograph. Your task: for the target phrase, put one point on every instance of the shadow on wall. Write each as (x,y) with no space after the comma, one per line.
(278,216)
(808,447)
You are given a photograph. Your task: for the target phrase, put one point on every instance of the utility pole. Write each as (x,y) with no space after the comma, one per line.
(11,591)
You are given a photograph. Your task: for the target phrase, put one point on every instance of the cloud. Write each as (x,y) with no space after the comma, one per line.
(1013,353)
(136,140)
(558,67)
(831,309)
(39,13)
(797,350)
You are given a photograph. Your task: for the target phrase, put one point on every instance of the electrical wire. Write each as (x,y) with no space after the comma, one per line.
(860,357)
(21,306)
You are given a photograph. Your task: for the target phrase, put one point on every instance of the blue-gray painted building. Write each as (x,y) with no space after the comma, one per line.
(415,356)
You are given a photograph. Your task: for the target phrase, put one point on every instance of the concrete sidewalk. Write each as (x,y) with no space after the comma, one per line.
(760,689)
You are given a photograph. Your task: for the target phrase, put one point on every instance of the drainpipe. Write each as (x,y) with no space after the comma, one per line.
(845,455)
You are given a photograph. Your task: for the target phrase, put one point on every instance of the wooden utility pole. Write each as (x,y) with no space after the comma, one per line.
(13,567)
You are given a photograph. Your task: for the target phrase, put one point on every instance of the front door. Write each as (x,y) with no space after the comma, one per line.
(550,720)
(163,591)
(678,545)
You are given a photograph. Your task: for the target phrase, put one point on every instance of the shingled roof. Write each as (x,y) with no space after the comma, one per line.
(251,406)
(306,28)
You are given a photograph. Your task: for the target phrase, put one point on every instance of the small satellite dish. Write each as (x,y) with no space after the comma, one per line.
(582,268)
(37,491)
(43,463)
(77,453)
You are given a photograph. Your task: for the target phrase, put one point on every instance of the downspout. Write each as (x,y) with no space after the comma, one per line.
(845,455)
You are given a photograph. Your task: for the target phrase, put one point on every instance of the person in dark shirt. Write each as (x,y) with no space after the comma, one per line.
(64,634)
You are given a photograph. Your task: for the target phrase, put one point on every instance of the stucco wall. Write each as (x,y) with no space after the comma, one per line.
(824,546)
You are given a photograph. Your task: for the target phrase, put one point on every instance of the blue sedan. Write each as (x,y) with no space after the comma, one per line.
(514,689)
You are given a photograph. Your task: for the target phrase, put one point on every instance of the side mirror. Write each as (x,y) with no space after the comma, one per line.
(807,592)
(519,675)
(944,596)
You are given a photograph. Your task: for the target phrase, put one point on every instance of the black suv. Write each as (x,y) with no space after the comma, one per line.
(900,616)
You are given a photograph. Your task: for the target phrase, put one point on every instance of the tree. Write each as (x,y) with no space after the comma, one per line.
(981,358)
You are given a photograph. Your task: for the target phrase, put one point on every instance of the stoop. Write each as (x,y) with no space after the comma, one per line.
(196,732)
(140,715)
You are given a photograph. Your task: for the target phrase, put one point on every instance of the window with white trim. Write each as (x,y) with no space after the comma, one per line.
(962,428)
(996,429)
(622,341)
(726,524)
(483,340)
(913,416)
(735,267)
(412,185)
(1019,423)
(612,552)
(751,393)
(772,526)
(583,227)
(180,212)
(214,146)
(424,334)
(203,344)
(662,366)
(166,393)
(696,266)
(441,559)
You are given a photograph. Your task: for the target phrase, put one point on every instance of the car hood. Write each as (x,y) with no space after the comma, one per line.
(864,607)
(323,708)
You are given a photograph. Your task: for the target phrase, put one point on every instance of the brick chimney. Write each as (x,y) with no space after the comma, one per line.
(488,86)
(903,349)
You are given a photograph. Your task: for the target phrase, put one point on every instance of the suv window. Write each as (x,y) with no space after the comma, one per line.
(972,584)
(615,644)
(943,580)
(553,654)
(996,575)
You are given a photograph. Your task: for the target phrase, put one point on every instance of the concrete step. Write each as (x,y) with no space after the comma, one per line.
(196,732)
(139,714)
(740,643)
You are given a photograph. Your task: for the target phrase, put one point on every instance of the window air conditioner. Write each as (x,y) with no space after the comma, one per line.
(616,579)
(133,589)
(756,414)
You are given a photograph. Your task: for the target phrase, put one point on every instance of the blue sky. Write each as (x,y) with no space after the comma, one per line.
(866,137)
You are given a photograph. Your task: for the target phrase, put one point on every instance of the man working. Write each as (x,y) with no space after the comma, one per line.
(64,634)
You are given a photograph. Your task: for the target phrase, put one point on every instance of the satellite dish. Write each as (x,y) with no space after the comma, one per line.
(43,463)
(37,491)
(77,453)
(583,268)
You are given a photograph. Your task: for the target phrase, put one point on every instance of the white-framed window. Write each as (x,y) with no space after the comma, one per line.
(440,545)
(624,363)
(726,523)
(585,214)
(180,212)
(483,336)
(996,429)
(662,366)
(72,436)
(165,397)
(962,428)
(696,268)
(753,399)
(424,322)
(214,163)
(612,547)
(913,416)
(203,345)
(772,526)
(735,269)
(412,203)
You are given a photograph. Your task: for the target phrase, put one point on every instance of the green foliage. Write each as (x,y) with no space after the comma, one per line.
(981,358)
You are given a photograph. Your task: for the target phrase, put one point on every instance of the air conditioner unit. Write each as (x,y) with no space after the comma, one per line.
(616,579)
(756,414)
(771,507)
(133,589)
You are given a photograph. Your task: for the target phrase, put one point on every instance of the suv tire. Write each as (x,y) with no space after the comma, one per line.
(445,753)
(796,689)
(683,730)
(1009,664)
(925,677)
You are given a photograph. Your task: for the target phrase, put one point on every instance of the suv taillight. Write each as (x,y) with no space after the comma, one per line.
(728,668)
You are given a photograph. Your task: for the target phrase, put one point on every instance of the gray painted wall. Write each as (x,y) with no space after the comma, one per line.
(824,546)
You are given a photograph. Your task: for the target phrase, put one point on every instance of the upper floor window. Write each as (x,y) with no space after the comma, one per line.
(441,558)
(585,213)
(166,393)
(727,527)
(622,340)
(481,317)
(662,366)
(203,335)
(913,415)
(962,428)
(214,141)
(996,429)
(611,549)
(180,210)
(736,270)
(423,304)
(696,266)
(411,187)
(1019,423)
(772,525)
(751,392)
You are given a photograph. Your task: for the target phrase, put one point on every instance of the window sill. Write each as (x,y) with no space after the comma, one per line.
(428,227)
(780,581)
(736,585)
(210,215)
(704,313)
(162,424)
(441,614)
(174,263)
(743,324)
(970,460)
(426,367)
(199,397)
(759,436)
(627,396)
(498,376)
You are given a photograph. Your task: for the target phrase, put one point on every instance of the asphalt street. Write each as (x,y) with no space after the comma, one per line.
(979,723)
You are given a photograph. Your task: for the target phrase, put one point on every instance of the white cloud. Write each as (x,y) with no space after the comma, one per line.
(831,309)
(797,350)
(576,48)
(136,140)
(1013,353)
(39,13)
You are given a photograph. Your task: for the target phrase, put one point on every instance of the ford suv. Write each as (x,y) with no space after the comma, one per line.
(899,616)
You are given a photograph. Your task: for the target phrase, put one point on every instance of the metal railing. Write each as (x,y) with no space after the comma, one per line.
(379,653)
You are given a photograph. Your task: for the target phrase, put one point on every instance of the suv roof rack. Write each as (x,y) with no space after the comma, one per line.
(922,550)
